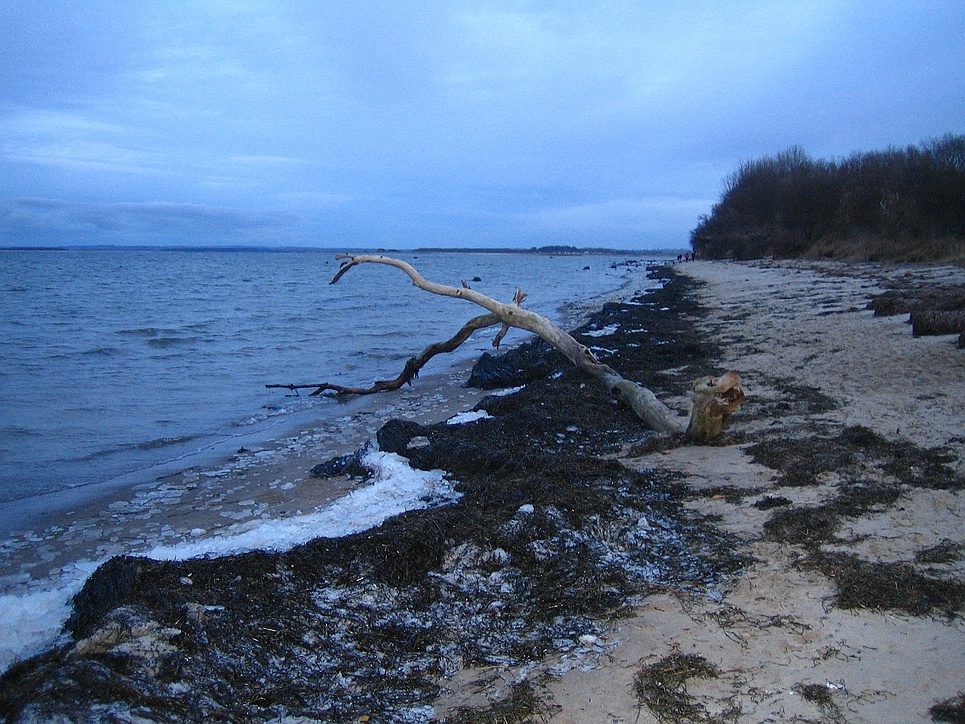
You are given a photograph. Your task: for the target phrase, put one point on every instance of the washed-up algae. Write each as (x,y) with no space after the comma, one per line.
(869,474)
(662,688)
(951,710)
(548,540)
(856,451)
(520,706)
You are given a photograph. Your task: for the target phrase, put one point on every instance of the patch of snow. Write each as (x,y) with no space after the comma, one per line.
(605,332)
(463,417)
(507,391)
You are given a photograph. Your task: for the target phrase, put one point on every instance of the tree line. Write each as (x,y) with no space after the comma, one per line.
(893,205)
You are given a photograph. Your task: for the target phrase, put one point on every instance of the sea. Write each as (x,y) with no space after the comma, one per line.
(123,364)
(118,367)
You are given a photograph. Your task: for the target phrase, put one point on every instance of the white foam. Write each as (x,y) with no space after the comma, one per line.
(394,488)
(463,417)
(605,332)
(507,391)
(31,622)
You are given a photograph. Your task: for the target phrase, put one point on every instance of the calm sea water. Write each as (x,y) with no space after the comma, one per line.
(113,363)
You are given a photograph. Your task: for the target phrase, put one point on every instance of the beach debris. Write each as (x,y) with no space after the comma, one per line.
(662,687)
(951,710)
(714,398)
(520,706)
(937,322)
(930,310)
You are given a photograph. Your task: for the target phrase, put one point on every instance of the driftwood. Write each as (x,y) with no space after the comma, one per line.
(412,366)
(714,398)
(935,322)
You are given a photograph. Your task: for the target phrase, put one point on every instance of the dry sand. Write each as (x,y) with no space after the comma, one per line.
(782,650)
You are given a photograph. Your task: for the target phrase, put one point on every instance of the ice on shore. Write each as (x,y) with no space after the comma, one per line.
(393,489)
(32,621)
(463,417)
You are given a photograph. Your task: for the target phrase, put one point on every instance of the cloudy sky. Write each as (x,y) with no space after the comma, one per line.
(461,123)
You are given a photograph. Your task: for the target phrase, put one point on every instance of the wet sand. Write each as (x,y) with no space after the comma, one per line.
(269,481)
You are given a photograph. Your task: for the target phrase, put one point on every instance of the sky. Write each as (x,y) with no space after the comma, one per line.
(482,123)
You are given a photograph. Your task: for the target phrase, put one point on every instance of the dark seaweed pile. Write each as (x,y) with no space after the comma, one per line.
(548,540)
(871,475)
(662,688)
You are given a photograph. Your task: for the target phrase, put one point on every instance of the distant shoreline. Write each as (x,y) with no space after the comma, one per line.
(544,250)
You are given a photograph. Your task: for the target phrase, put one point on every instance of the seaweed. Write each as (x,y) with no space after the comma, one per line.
(868,472)
(945,552)
(880,586)
(951,710)
(855,452)
(662,688)
(861,584)
(520,706)
(802,525)
(821,695)
(771,501)
(791,397)
(350,465)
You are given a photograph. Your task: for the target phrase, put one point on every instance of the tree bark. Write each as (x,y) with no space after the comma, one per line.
(412,367)
(714,398)
(937,322)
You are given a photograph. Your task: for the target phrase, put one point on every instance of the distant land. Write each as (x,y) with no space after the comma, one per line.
(556,250)
(552,250)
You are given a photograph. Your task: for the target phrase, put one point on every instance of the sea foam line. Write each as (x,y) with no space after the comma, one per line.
(33,621)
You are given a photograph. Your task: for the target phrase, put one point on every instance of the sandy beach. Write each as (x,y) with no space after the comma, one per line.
(838,484)
(782,643)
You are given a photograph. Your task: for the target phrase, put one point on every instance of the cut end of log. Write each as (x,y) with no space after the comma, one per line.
(715,398)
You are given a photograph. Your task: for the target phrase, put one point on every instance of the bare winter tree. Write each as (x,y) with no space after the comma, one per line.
(714,398)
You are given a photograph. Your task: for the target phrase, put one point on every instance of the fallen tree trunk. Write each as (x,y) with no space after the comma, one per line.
(714,398)
(937,322)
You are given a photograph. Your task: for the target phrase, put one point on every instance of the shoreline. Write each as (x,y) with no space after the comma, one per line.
(807,631)
(778,639)
(206,500)
(435,394)
(48,551)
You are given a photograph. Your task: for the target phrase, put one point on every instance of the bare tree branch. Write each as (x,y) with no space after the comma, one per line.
(412,367)
(714,398)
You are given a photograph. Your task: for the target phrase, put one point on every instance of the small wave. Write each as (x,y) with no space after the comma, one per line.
(165,342)
(164,442)
(379,354)
(17,431)
(160,442)
(141,332)
(101,351)
(97,454)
